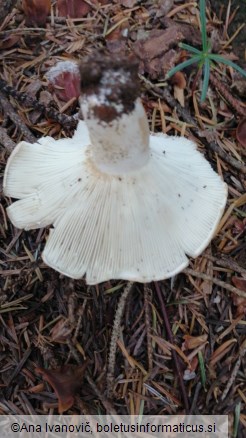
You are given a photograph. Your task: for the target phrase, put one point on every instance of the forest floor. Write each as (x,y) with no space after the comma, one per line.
(179,345)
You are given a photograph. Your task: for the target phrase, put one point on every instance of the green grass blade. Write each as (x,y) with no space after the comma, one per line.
(219,58)
(205,79)
(190,48)
(202,369)
(236,420)
(183,65)
(203,25)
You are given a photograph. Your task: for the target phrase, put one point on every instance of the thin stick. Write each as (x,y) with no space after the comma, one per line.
(147,292)
(10,111)
(220,283)
(171,339)
(114,338)
(51,113)
(6,141)
(232,378)
(226,263)
(195,398)
(224,90)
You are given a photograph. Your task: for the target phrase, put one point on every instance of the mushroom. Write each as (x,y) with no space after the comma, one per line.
(64,79)
(124,203)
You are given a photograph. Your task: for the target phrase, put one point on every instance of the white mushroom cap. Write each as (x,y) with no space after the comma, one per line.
(123,204)
(61,67)
(64,80)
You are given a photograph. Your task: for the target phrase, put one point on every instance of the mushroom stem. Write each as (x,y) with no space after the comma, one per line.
(114,114)
(118,146)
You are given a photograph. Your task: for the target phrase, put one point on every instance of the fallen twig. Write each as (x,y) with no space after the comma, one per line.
(114,338)
(51,113)
(14,116)
(234,371)
(147,294)
(226,263)
(222,88)
(214,280)
(6,141)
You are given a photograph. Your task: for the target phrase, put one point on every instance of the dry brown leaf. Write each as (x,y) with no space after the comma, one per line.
(189,373)
(9,41)
(158,50)
(37,388)
(191,342)
(66,382)
(159,41)
(179,95)
(239,282)
(179,79)
(241,132)
(221,351)
(61,330)
(239,302)
(194,363)
(36,11)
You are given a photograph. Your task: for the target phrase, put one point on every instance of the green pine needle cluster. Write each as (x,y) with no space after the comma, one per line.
(204,58)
